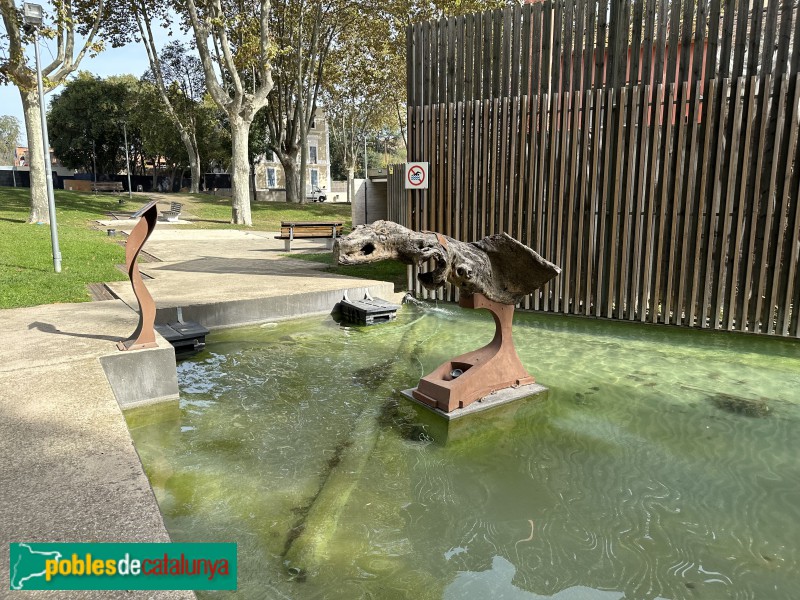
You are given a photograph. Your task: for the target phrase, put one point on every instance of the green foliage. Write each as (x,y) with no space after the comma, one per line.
(26,260)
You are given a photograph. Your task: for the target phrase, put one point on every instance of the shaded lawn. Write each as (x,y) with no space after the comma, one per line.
(27,277)
(385,270)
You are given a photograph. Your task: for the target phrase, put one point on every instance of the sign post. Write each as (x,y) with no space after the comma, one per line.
(416,176)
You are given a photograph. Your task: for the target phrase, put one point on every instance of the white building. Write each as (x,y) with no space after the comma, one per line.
(270,179)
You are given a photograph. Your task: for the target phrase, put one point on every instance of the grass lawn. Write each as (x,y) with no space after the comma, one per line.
(214,212)
(26,257)
(386,270)
(89,255)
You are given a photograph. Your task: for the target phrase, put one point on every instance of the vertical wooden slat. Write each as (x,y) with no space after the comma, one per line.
(662,245)
(510,196)
(690,216)
(686,41)
(770,30)
(754,39)
(638,300)
(672,40)
(733,289)
(726,47)
(704,217)
(577,46)
(713,241)
(561,199)
(526,52)
(556,51)
(784,38)
(497,52)
(661,42)
(535,35)
(604,240)
(503,160)
(478,57)
(568,273)
(700,39)
(552,158)
(636,42)
(461,77)
(478,143)
(741,38)
(547,48)
(629,216)
(440,166)
(486,69)
(444,63)
(671,315)
(523,202)
(648,299)
(542,191)
(784,203)
(583,214)
(588,48)
(713,40)
(764,309)
(614,204)
(647,42)
(514,57)
(600,46)
(460,167)
(491,207)
(594,239)
(532,200)
(566,47)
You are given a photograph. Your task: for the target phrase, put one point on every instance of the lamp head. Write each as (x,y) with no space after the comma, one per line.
(33,15)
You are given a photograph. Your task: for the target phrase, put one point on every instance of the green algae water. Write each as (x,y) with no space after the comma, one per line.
(662,463)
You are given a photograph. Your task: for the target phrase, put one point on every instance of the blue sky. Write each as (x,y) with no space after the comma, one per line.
(131,59)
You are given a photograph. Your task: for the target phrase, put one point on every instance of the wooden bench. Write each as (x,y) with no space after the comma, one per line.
(174,212)
(106,186)
(291,230)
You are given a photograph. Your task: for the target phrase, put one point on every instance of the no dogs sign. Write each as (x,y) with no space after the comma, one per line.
(417,176)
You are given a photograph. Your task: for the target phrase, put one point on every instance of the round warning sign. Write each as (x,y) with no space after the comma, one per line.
(417,176)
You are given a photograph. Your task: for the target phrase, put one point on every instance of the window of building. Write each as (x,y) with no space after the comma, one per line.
(313,123)
(272,179)
(312,154)
(314,178)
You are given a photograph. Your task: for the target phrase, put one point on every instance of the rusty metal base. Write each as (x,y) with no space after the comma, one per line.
(132,345)
(493,400)
(494,367)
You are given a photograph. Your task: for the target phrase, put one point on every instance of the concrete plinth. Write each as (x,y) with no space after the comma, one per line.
(493,400)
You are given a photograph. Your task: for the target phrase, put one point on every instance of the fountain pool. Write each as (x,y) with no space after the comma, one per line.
(662,463)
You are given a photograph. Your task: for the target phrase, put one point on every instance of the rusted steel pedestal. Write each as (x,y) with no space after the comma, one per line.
(473,376)
(144,336)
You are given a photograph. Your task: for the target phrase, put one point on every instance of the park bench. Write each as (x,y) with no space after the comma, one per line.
(173,213)
(106,186)
(291,230)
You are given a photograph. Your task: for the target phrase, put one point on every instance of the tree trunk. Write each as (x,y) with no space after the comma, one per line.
(190,143)
(301,184)
(240,172)
(291,174)
(194,164)
(39,212)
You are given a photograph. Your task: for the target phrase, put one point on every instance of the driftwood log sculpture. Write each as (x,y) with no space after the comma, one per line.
(494,273)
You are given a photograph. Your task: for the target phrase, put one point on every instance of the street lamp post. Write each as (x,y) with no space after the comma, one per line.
(33,17)
(127,159)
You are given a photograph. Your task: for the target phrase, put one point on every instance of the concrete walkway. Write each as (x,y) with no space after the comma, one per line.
(69,470)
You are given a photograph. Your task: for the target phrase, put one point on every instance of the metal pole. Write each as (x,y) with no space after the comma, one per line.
(127,160)
(48,169)
(366,181)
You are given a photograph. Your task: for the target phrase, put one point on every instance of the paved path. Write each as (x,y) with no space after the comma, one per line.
(69,469)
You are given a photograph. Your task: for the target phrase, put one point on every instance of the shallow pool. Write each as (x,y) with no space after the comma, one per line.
(662,463)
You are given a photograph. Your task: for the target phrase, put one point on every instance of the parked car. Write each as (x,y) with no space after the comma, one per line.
(318,195)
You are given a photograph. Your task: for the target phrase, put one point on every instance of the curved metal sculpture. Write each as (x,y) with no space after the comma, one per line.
(494,273)
(144,336)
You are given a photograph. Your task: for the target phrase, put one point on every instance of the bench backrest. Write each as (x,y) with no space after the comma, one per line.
(312,230)
(175,207)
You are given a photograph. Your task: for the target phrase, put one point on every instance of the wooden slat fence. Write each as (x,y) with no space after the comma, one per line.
(571,45)
(661,203)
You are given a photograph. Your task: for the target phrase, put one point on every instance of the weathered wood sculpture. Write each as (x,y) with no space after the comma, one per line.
(144,336)
(494,273)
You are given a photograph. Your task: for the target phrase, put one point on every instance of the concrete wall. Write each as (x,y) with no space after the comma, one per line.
(376,203)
